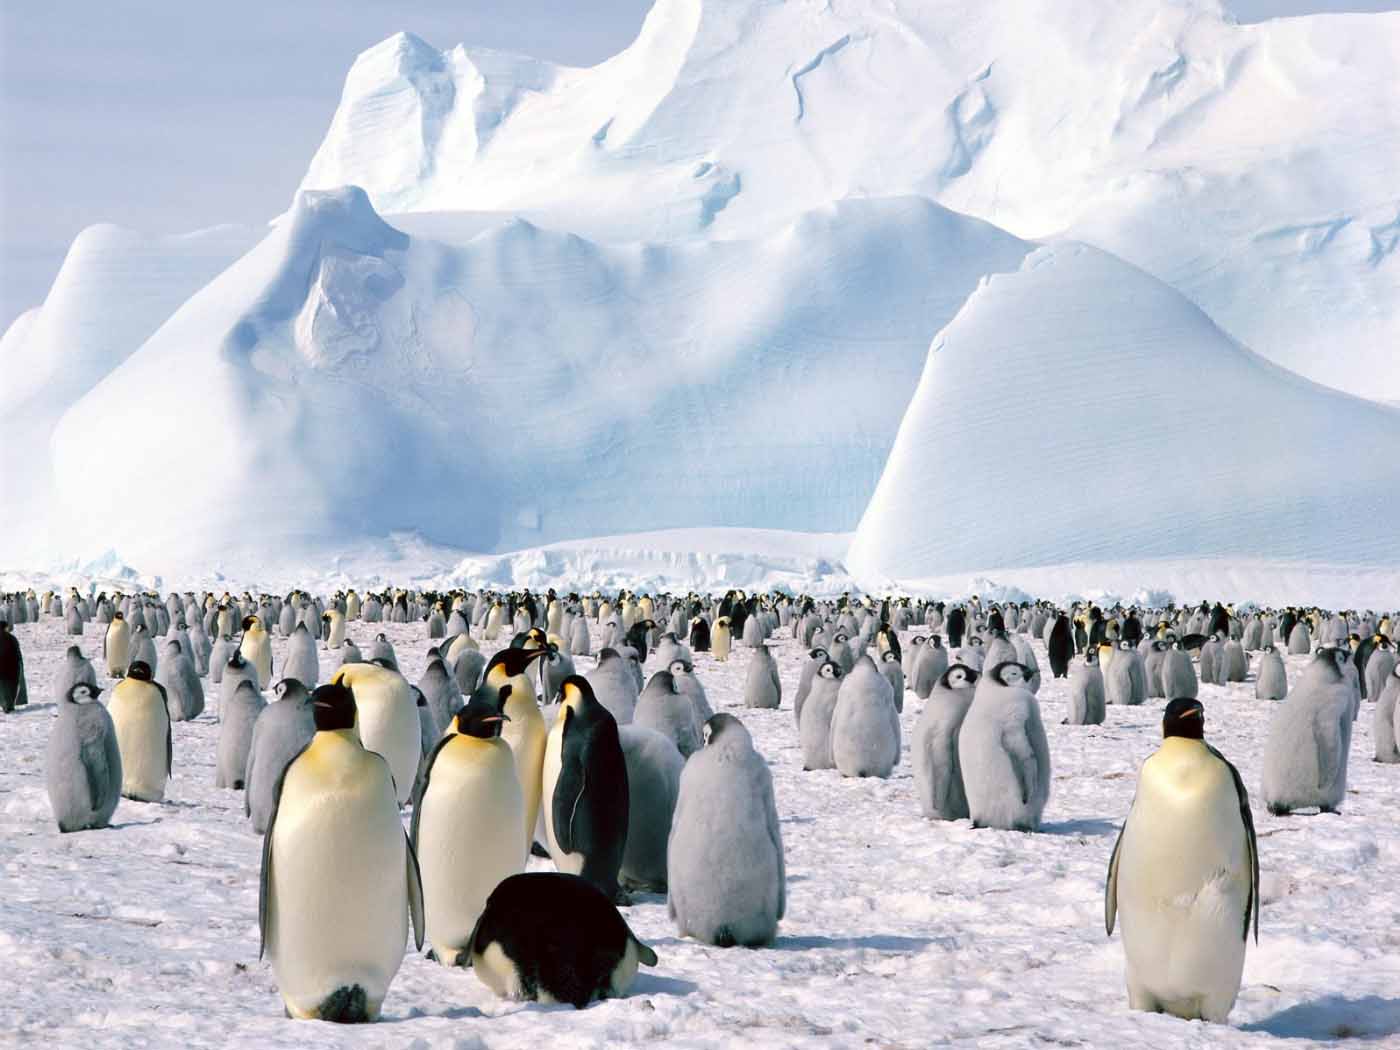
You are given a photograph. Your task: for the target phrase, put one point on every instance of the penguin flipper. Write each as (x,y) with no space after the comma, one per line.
(1024,760)
(1329,734)
(423,788)
(775,834)
(93,756)
(569,788)
(1194,641)
(1252,905)
(415,894)
(1110,892)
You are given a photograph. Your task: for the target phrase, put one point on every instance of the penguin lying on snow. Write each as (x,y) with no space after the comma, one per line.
(1185,876)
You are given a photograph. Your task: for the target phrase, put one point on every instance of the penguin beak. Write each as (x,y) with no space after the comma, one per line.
(496,718)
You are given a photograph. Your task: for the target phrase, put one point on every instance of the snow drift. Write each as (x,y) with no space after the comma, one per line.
(1080,411)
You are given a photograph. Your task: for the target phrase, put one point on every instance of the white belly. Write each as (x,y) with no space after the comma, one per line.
(258,652)
(468,840)
(339,902)
(142,724)
(525,733)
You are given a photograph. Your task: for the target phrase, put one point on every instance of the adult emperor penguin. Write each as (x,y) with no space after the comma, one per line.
(142,723)
(1004,754)
(938,777)
(524,729)
(726,877)
(555,938)
(256,648)
(282,730)
(333,628)
(116,645)
(467,818)
(83,762)
(720,639)
(1060,646)
(585,789)
(1305,753)
(699,634)
(339,878)
(387,720)
(1184,876)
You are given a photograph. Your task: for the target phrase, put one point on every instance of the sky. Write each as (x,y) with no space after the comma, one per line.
(169,117)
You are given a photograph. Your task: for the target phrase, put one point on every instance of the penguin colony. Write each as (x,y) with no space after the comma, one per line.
(630,782)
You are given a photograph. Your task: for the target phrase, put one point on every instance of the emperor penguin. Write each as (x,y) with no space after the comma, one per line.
(683,675)
(183,692)
(865,737)
(339,878)
(614,685)
(1004,754)
(236,671)
(1184,875)
(930,666)
(810,667)
(1305,753)
(664,708)
(653,784)
(1299,639)
(116,645)
(909,657)
(387,720)
(524,729)
(333,628)
(283,728)
(938,780)
(762,687)
(889,667)
(75,668)
(720,639)
(301,660)
(219,655)
(1060,646)
(1125,683)
(142,722)
(256,648)
(1379,665)
(725,872)
(237,719)
(814,725)
(1384,724)
(1087,695)
(1272,683)
(1178,673)
(555,938)
(585,789)
(699,634)
(83,762)
(467,818)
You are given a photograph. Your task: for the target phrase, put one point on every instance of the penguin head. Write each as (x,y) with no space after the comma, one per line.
(679,667)
(662,681)
(1011,674)
(115,616)
(333,707)
(936,640)
(724,730)
(818,654)
(1184,718)
(510,663)
(830,670)
(290,689)
(1091,657)
(976,641)
(140,670)
(481,717)
(82,693)
(918,640)
(535,639)
(249,621)
(1125,645)
(959,677)
(576,693)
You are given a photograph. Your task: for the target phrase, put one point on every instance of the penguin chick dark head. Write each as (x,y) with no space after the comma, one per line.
(140,670)
(481,717)
(722,730)
(1011,673)
(830,670)
(818,653)
(81,693)
(959,676)
(333,707)
(1184,718)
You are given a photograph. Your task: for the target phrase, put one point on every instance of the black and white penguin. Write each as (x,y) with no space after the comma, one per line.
(467,818)
(283,730)
(585,789)
(1060,646)
(555,938)
(13,690)
(142,722)
(336,943)
(1184,876)
(388,722)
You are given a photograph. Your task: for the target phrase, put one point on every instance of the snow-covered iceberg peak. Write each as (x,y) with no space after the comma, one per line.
(1079,410)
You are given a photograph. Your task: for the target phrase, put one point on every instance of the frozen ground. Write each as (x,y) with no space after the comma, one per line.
(900,933)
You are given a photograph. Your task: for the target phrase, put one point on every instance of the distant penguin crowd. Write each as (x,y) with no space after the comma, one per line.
(576,727)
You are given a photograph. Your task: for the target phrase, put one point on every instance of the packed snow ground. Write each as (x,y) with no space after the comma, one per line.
(899,932)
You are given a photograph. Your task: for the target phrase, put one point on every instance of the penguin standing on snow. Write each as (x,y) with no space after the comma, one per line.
(814,724)
(1305,753)
(585,789)
(142,722)
(1060,646)
(937,775)
(1272,683)
(720,638)
(524,729)
(256,648)
(1184,876)
(653,785)
(466,820)
(1004,754)
(1086,693)
(83,764)
(762,687)
(75,668)
(865,737)
(282,731)
(726,877)
(13,691)
(387,719)
(337,942)
(116,645)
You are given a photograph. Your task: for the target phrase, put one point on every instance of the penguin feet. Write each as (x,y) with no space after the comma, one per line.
(622,898)
(1278,811)
(345,1005)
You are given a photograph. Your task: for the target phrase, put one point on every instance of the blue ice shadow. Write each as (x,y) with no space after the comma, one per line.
(1333,1017)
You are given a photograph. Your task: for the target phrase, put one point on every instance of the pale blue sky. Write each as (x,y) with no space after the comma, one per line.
(169,116)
